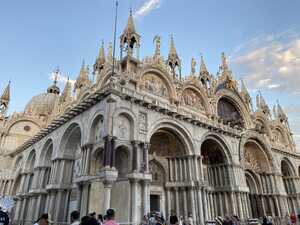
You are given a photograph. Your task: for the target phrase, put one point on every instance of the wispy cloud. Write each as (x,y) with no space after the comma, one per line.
(146,8)
(270,62)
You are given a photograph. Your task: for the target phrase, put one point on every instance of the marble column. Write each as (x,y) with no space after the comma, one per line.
(146,147)
(84,198)
(146,197)
(134,200)
(107,195)
(177,201)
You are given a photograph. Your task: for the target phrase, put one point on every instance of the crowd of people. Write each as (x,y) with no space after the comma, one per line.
(153,218)
(90,219)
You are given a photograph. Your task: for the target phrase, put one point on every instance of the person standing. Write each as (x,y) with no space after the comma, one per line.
(110,217)
(173,219)
(293,218)
(288,219)
(100,219)
(75,217)
(43,220)
(4,219)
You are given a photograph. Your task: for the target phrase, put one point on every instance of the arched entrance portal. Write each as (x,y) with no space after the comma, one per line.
(217,176)
(169,166)
(259,179)
(255,202)
(289,186)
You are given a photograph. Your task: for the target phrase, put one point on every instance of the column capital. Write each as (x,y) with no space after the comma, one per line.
(109,138)
(145,145)
(136,143)
(86,146)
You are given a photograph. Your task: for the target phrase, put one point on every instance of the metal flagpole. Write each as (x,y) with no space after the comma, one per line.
(114,47)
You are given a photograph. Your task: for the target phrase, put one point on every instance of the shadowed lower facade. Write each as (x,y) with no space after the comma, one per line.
(145,139)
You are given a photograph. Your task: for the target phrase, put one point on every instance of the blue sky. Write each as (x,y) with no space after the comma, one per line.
(261,39)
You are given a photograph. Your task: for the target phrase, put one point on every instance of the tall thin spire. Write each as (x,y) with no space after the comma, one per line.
(130,28)
(203,69)
(66,94)
(173,59)
(224,65)
(83,77)
(100,61)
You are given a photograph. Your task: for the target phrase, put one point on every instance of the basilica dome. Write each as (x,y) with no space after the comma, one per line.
(41,104)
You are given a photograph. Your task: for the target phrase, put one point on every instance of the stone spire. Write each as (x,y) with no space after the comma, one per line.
(262,105)
(224,69)
(173,59)
(279,113)
(130,28)
(4,100)
(245,95)
(224,65)
(204,74)
(83,77)
(110,53)
(203,69)
(66,94)
(100,61)
(130,38)
(54,88)
(6,93)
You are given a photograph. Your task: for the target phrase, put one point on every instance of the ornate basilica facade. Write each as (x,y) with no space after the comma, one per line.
(141,137)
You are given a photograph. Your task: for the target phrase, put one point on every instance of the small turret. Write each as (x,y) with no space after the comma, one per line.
(173,59)
(130,39)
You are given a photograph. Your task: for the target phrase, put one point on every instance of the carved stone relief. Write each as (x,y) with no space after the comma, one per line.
(155,85)
(190,98)
(123,127)
(143,121)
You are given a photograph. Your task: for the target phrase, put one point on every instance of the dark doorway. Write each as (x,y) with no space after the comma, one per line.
(155,203)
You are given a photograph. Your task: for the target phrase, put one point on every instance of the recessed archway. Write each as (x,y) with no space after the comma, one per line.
(70,148)
(255,207)
(168,154)
(229,113)
(288,176)
(259,167)
(165,143)
(217,174)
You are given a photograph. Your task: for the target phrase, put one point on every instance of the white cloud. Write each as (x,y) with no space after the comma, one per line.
(147,7)
(270,62)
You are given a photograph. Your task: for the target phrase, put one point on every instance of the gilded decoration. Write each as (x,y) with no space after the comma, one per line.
(190,98)
(155,85)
